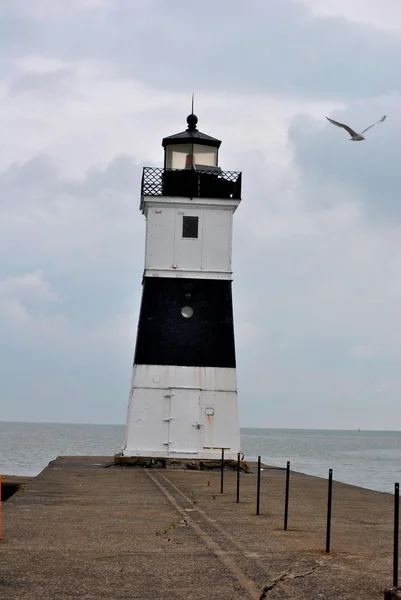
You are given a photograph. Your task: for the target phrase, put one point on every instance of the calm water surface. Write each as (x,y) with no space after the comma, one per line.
(370,459)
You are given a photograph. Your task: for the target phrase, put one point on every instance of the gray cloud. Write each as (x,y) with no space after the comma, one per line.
(86,234)
(256,46)
(87,237)
(57,81)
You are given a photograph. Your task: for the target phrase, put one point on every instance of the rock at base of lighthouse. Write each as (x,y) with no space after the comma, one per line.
(393,594)
(175,463)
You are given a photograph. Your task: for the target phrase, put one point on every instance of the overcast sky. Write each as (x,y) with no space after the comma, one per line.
(88,88)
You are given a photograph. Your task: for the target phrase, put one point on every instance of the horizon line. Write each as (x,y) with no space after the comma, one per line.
(241,427)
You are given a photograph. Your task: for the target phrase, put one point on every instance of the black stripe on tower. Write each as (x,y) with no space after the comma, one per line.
(166,337)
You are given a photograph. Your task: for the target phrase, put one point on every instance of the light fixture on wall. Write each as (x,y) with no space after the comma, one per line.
(187,312)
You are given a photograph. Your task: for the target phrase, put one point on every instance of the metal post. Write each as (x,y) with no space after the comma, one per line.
(287,492)
(222,472)
(1,525)
(238,472)
(396,532)
(328,531)
(258,489)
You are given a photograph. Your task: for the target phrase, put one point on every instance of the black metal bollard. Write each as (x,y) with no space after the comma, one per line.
(330,491)
(222,472)
(287,492)
(258,490)
(238,473)
(396,532)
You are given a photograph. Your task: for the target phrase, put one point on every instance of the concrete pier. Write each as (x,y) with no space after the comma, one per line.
(87,529)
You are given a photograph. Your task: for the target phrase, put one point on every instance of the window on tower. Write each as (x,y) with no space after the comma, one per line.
(190,227)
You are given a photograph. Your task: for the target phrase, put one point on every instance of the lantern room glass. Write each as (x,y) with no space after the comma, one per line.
(185,156)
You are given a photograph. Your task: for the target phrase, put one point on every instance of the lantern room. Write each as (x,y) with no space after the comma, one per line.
(191,149)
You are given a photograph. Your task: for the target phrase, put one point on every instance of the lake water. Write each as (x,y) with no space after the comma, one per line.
(370,459)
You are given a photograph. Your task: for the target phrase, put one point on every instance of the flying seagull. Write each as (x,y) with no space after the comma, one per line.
(355,137)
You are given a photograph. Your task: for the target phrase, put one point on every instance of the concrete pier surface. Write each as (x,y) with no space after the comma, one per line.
(87,529)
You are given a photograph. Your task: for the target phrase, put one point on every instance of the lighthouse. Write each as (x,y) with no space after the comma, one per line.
(183,397)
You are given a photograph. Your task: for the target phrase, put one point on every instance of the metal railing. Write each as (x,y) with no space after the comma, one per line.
(191,183)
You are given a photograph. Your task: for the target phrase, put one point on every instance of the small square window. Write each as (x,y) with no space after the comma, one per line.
(190,227)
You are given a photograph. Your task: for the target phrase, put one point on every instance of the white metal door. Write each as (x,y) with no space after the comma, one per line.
(187,251)
(148,422)
(220,418)
(185,427)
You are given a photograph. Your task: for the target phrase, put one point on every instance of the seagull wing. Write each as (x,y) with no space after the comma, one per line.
(381,121)
(350,131)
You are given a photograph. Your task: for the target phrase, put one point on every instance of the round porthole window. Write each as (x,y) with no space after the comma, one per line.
(187,312)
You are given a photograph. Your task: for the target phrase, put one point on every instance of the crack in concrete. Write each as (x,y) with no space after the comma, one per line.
(272,585)
(286,576)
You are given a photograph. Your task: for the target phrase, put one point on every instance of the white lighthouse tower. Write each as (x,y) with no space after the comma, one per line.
(183,398)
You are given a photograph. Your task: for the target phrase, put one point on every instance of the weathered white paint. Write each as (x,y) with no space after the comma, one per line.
(159,246)
(141,419)
(187,252)
(182,412)
(165,376)
(188,274)
(216,240)
(208,255)
(220,425)
(177,201)
(185,433)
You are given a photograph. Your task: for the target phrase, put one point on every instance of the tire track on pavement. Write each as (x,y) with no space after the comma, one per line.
(223,555)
